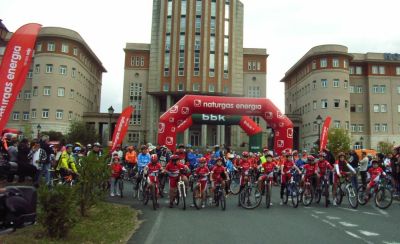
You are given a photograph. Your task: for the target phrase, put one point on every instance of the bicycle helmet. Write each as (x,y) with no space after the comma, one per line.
(295,152)
(154,158)
(174,157)
(265,150)
(77,149)
(310,158)
(68,145)
(96,144)
(143,148)
(245,154)
(341,154)
(202,160)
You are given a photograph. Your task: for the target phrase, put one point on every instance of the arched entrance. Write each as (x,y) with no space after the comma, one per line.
(181,113)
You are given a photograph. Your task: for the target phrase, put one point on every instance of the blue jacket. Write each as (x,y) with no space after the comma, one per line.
(143,160)
(191,157)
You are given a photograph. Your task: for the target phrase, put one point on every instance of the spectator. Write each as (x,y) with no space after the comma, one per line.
(24,168)
(12,159)
(363,167)
(44,144)
(354,160)
(37,157)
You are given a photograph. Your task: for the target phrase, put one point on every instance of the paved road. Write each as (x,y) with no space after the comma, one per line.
(279,224)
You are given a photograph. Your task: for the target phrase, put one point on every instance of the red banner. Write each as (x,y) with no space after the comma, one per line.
(249,126)
(121,127)
(324,133)
(14,68)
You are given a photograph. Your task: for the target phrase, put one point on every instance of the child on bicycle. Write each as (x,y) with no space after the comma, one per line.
(375,172)
(310,172)
(202,172)
(152,170)
(116,171)
(323,166)
(342,167)
(218,175)
(174,169)
(287,165)
(267,170)
(245,166)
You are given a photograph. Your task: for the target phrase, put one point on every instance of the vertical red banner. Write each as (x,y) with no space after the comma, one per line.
(324,133)
(121,127)
(15,66)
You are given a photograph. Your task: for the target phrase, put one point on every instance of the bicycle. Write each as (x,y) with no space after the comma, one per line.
(219,196)
(323,190)
(234,182)
(181,195)
(120,181)
(267,189)
(249,192)
(152,191)
(345,188)
(383,197)
(198,193)
(307,195)
(291,190)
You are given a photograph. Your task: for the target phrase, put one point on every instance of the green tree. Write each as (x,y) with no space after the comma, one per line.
(54,135)
(385,147)
(79,131)
(338,141)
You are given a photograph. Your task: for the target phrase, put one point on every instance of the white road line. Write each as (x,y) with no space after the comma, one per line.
(346,224)
(349,209)
(332,217)
(329,223)
(319,212)
(315,216)
(154,229)
(383,212)
(367,233)
(390,242)
(369,213)
(352,234)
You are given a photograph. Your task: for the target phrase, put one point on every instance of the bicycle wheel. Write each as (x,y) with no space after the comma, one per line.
(183,197)
(140,192)
(326,194)
(121,187)
(146,196)
(383,198)
(295,196)
(339,195)
(222,199)
(317,195)
(235,184)
(252,197)
(153,196)
(361,195)
(286,194)
(197,199)
(352,196)
(268,194)
(307,195)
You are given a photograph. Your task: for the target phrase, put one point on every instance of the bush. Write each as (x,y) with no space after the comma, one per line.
(57,210)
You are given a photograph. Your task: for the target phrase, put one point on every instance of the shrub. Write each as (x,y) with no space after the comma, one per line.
(57,210)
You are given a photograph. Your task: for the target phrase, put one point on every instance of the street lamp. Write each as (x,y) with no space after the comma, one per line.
(110,113)
(38,127)
(319,122)
(361,141)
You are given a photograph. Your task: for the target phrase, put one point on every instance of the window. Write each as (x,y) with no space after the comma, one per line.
(198,7)
(64,48)
(346,125)
(226,28)
(63,70)
(375,89)
(353,108)
(183,24)
(59,114)
(46,91)
(398,70)
(314,105)
(181,66)
(359,89)
(353,127)
(45,113)
(212,61)
(346,104)
(324,83)
(61,91)
(73,73)
(166,64)
(75,51)
(27,94)
(180,87)
(376,108)
(335,62)
(182,42)
(198,25)
(345,84)
(39,47)
(358,70)
(374,69)
(69,115)
(314,64)
(351,89)
(136,93)
(254,91)
(19,95)
(134,137)
(196,87)
(166,87)
(211,88)
(360,128)
(226,89)
(336,103)
(212,26)
(169,12)
(33,113)
(384,128)
(351,70)
(15,116)
(196,64)
(30,74)
(360,108)
(383,108)
(335,83)
(382,89)
(398,90)
(345,63)
(381,70)
(314,84)
(212,43)
(398,108)
(337,123)
(35,91)
(377,127)
(37,68)
(51,46)
(324,103)
(197,43)
(213,8)
(183,7)
(169,26)
(49,68)
(323,63)
(25,116)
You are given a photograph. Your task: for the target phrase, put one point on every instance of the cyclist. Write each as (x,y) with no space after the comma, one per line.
(218,175)
(143,160)
(287,165)
(131,160)
(66,165)
(152,170)
(323,166)
(244,166)
(163,156)
(202,172)
(267,170)
(116,171)
(174,169)
(375,172)
(342,167)
(310,172)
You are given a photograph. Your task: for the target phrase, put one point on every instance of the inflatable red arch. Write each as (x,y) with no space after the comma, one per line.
(194,104)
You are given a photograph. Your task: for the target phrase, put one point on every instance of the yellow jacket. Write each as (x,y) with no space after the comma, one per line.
(67,161)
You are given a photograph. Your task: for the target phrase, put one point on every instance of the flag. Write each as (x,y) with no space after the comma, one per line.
(324,133)
(121,127)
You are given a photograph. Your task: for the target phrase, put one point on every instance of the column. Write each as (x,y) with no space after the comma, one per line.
(222,132)
(186,137)
(219,135)
(203,135)
(152,118)
(169,100)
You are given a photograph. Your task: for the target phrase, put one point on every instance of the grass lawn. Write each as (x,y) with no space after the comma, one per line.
(107,223)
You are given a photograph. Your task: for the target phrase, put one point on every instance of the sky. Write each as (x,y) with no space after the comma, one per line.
(286,28)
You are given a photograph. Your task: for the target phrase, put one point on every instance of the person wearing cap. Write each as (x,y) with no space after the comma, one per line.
(218,175)
(287,165)
(174,169)
(267,170)
(310,175)
(116,172)
(363,167)
(66,165)
(375,172)
(342,168)
(96,150)
(130,160)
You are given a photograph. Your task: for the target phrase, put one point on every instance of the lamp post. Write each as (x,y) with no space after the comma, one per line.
(361,141)
(318,120)
(110,113)
(38,127)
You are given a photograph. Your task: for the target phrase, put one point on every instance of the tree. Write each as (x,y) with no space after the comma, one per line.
(79,131)
(54,135)
(385,147)
(338,141)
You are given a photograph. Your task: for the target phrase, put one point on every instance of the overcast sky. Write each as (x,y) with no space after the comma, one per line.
(286,28)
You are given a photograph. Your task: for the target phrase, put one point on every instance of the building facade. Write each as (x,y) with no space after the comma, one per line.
(361,92)
(63,83)
(196,48)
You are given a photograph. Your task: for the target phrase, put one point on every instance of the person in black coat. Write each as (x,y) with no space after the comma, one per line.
(24,168)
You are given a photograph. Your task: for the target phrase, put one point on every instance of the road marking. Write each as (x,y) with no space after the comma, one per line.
(390,242)
(315,216)
(367,233)
(352,234)
(348,224)
(369,213)
(319,212)
(383,212)
(332,217)
(329,223)
(154,229)
(349,209)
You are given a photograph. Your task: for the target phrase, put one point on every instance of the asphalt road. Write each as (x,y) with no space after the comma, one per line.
(278,224)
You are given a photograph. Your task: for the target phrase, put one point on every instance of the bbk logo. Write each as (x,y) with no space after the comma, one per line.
(212,117)
(197,103)
(269,115)
(290,133)
(185,110)
(174,109)
(161,127)
(280,143)
(169,141)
